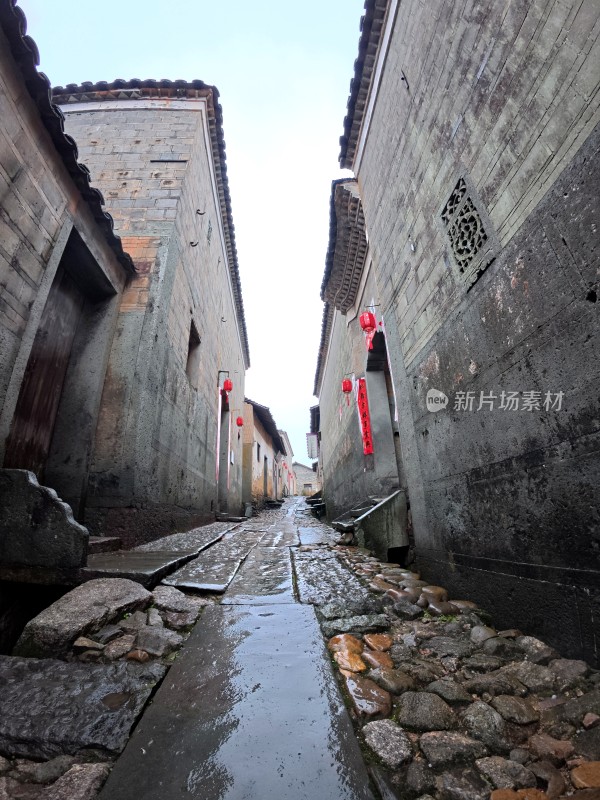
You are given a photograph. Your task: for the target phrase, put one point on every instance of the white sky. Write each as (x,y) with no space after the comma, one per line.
(283,69)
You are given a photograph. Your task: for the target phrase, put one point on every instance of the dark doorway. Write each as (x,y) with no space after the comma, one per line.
(33,422)
(223,452)
(388,454)
(265,476)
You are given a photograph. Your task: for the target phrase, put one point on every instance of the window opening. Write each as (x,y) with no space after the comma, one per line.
(193,356)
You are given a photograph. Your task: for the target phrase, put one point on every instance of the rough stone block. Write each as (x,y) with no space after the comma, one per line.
(36,528)
(50,708)
(81,782)
(82,610)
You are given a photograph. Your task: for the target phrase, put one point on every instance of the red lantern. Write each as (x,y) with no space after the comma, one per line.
(367,321)
(227,385)
(239,422)
(347,389)
(369,325)
(284,465)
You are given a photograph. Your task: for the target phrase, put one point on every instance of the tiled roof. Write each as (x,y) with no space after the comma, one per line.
(268,423)
(286,443)
(136,89)
(25,53)
(371,27)
(325,332)
(348,247)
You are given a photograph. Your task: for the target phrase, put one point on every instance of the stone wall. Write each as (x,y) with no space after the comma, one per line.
(504,503)
(178,332)
(51,223)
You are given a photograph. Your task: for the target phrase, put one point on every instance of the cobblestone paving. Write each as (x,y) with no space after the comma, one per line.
(446,706)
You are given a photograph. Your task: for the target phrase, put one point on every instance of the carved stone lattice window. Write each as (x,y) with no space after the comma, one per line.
(467,233)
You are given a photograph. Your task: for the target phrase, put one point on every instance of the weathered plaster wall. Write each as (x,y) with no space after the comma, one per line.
(504,504)
(255,435)
(157,436)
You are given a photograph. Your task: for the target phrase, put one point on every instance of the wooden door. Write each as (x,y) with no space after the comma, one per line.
(39,397)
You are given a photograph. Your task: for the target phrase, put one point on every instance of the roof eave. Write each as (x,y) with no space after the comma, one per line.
(371,31)
(26,55)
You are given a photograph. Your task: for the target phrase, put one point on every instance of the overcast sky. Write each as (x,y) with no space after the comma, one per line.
(283,69)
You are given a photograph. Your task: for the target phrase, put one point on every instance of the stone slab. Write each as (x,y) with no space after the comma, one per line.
(81,611)
(202,577)
(322,578)
(103,544)
(214,569)
(317,535)
(280,537)
(264,578)
(50,708)
(146,568)
(250,709)
(197,539)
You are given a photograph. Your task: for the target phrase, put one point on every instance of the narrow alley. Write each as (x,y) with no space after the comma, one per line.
(251,707)
(314,671)
(299,409)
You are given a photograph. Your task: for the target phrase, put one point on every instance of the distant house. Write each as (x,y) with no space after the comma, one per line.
(306,479)
(263,449)
(287,476)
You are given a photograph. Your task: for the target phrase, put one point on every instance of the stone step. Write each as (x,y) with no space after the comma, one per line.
(250,709)
(147,568)
(344,526)
(360,510)
(103,544)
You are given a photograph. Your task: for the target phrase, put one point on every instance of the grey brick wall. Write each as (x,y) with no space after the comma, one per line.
(42,216)
(158,429)
(503,505)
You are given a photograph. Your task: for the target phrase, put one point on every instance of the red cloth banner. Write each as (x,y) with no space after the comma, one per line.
(365,417)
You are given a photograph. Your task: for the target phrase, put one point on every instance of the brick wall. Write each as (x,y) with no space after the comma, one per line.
(38,203)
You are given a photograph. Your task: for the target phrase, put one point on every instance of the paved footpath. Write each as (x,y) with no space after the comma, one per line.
(251,708)
(446,706)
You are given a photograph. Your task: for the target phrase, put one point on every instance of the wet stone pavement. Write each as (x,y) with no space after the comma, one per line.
(295,668)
